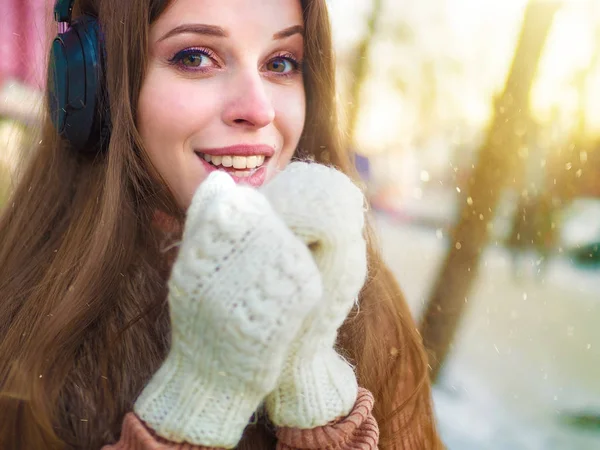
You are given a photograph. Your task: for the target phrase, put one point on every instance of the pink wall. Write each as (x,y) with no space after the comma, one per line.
(24,38)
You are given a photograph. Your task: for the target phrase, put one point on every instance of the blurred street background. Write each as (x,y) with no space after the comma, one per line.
(475,126)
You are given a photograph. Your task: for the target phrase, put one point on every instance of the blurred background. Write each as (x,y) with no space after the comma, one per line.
(475,126)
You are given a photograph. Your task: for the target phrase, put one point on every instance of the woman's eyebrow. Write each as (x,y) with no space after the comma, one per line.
(196,28)
(216,31)
(290,31)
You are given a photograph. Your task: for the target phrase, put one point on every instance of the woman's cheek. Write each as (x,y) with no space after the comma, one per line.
(292,111)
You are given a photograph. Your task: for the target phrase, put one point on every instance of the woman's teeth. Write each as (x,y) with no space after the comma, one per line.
(237,162)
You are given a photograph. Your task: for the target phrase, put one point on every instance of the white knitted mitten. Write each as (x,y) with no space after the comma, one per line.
(239,291)
(324,208)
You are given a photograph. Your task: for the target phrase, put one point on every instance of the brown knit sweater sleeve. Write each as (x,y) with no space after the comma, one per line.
(357,431)
(137,436)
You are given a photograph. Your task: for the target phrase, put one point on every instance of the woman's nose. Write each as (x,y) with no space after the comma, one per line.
(248,103)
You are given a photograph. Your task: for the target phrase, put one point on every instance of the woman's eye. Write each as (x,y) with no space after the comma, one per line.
(193,59)
(282,65)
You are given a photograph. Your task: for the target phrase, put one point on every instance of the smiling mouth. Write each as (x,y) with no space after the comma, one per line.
(240,166)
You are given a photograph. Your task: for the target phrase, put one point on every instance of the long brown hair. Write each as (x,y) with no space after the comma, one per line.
(83,315)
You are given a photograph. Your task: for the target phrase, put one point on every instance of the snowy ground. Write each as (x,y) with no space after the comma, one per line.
(528,352)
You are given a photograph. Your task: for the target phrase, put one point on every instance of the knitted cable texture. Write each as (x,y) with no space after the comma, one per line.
(326,210)
(239,291)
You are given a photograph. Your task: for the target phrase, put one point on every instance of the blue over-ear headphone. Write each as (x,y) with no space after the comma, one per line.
(75,85)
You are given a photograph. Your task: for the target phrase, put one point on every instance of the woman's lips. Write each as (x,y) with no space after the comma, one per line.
(252,176)
(239,150)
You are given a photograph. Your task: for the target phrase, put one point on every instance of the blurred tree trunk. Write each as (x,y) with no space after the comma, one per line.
(583,80)
(360,69)
(582,174)
(497,157)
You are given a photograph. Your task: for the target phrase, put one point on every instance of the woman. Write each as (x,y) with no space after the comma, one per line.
(101,337)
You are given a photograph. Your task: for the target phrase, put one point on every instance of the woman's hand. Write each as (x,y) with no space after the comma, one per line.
(325,209)
(239,291)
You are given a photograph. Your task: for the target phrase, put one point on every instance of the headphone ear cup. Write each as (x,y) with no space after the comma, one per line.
(58,84)
(75,83)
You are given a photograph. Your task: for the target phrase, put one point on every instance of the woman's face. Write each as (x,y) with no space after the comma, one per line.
(224,91)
